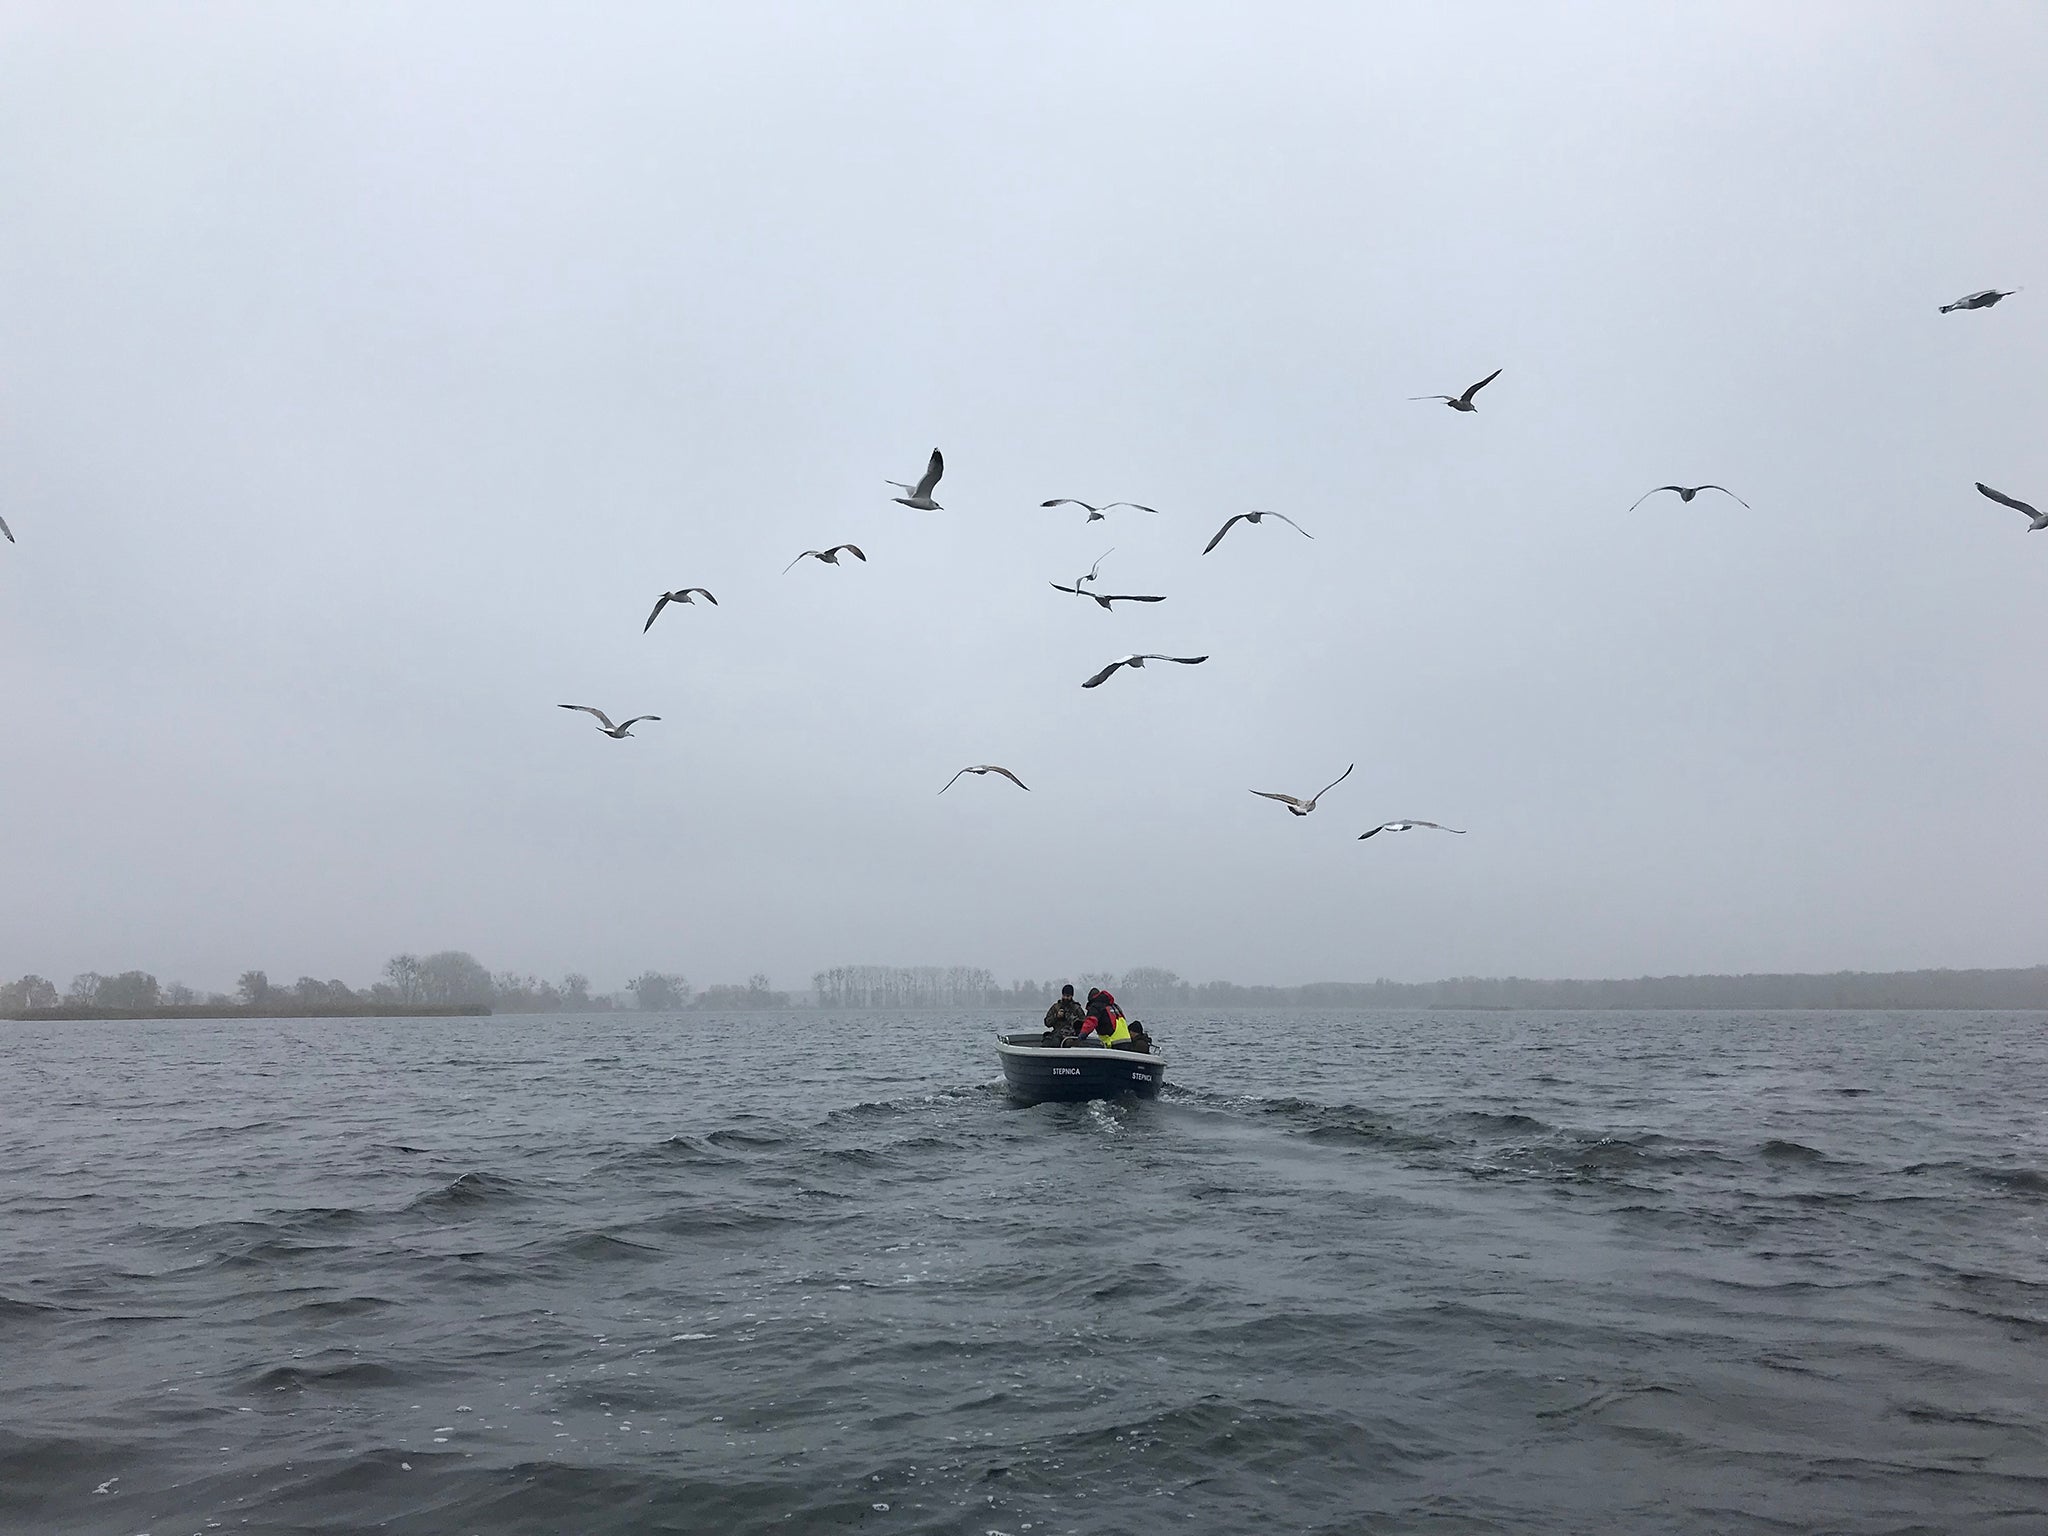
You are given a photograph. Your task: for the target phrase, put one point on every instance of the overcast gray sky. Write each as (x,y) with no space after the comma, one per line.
(366,371)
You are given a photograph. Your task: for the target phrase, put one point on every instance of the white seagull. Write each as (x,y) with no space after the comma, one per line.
(617,732)
(1253,517)
(920,495)
(2037,519)
(1104,598)
(1408,826)
(1686,492)
(1303,807)
(1462,402)
(1139,661)
(1096,514)
(688,594)
(1983,298)
(986,768)
(829,556)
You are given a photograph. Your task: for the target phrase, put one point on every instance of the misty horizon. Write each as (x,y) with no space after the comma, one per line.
(454,978)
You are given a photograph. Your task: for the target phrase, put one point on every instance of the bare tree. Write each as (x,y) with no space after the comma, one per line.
(402,974)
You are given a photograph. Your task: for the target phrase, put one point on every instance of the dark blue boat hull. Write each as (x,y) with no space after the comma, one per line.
(1039,1076)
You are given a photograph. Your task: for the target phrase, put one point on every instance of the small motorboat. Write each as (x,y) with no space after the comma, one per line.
(1038,1073)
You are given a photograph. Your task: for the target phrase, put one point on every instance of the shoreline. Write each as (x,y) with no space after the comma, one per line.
(86,1011)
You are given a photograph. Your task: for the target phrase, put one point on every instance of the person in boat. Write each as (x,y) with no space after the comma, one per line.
(1064,1017)
(1140,1041)
(1111,1028)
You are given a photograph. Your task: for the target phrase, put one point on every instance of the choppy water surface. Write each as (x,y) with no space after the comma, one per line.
(1362,1272)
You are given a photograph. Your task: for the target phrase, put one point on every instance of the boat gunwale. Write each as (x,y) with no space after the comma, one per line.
(1066,1052)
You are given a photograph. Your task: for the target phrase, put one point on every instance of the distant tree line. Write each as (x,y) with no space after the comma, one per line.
(450,980)
(454,981)
(1151,987)
(2023,989)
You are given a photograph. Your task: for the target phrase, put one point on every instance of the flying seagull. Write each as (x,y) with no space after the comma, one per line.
(920,495)
(1253,517)
(829,556)
(10,532)
(1686,493)
(1096,514)
(1408,826)
(2038,518)
(688,594)
(617,732)
(1303,807)
(1138,661)
(1983,298)
(1079,580)
(986,768)
(1104,598)
(1462,402)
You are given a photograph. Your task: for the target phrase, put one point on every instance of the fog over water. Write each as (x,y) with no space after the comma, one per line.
(366,372)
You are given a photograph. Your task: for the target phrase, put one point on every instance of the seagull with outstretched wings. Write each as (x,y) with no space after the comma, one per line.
(828,556)
(1253,518)
(1098,514)
(985,768)
(1462,402)
(688,594)
(2037,519)
(1303,807)
(920,494)
(617,732)
(1686,492)
(1104,598)
(1137,663)
(1408,826)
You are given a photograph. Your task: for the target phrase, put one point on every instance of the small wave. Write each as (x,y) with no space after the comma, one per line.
(13,1309)
(1601,1400)
(1194,1437)
(1936,1413)
(601,1247)
(705,1220)
(1347,1124)
(2024,1181)
(1611,1161)
(208,1133)
(470,1191)
(858,1157)
(1514,1124)
(679,1150)
(272,1252)
(1776,1151)
(30,1465)
(332,1307)
(746,1141)
(318,1218)
(910,1104)
(344,1376)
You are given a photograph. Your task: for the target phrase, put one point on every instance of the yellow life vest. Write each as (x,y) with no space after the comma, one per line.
(1121,1032)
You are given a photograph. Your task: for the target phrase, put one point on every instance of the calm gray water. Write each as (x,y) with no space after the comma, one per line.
(1357,1272)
